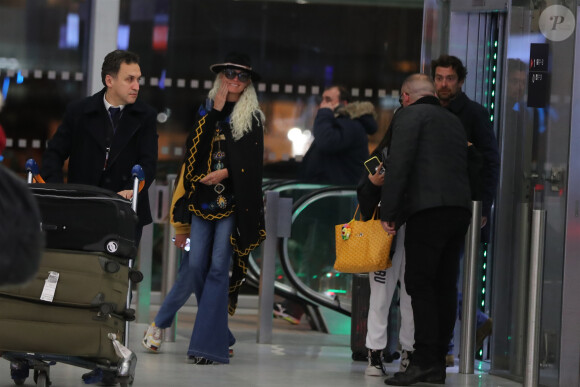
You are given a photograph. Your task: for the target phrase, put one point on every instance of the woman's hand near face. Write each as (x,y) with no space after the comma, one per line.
(222,94)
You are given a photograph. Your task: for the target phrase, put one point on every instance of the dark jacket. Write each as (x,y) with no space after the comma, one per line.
(82,136)
(368,194)
(479,131)
(245,171)
(427,162)
(340,145)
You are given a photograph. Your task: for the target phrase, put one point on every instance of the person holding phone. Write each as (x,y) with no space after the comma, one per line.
(383,283)
(218,204)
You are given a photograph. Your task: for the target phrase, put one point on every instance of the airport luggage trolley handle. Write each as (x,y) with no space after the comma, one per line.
(138,182)
(32,172)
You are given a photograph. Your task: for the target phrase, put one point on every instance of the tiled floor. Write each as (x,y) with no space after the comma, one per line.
(296,357)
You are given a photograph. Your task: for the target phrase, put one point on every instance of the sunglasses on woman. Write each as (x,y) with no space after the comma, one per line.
(232,74)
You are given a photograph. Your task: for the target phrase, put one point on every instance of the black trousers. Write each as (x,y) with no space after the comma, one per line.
(433,242)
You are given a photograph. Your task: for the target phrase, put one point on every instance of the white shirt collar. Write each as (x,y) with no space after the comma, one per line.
(108,105)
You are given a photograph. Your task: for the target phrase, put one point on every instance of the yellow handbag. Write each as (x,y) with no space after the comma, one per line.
(362,247)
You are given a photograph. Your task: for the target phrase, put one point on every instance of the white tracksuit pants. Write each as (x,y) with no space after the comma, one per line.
(383,284)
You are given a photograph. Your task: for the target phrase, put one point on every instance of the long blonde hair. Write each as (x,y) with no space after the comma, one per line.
(245,109)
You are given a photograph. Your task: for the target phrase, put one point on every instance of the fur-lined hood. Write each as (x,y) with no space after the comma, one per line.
(364,112)
(355,110)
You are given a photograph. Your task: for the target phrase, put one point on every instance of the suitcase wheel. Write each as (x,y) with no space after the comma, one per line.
(19,371)
(41,378)
(129,314)
(135,276)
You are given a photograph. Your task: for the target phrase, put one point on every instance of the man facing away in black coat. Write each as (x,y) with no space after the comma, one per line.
(449,75)
(102,143)
(427,187)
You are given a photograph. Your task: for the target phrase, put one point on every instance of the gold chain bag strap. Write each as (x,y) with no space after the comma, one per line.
(362,247)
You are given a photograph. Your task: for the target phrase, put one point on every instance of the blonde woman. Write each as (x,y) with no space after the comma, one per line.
(218,205)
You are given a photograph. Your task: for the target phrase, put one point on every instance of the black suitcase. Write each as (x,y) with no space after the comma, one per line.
(361,292)
(87,218)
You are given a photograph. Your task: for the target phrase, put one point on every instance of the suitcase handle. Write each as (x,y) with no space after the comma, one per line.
(138,183)
(32,171)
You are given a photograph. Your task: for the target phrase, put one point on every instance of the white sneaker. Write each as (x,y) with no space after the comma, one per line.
(152,340)
(405,360)
(376,366)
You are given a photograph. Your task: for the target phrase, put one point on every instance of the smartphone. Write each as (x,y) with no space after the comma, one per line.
(372,164)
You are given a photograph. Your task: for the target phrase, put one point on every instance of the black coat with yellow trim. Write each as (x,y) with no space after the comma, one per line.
(245,171)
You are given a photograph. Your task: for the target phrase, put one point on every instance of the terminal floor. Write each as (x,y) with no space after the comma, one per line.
(297,356)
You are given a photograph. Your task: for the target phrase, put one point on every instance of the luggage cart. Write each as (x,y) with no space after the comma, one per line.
(121,371)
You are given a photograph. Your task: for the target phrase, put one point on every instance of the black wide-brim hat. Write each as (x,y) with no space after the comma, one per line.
(235,60)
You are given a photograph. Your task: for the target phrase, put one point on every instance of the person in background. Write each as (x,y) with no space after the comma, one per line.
(340,145)
(218,204)
(428,191)
(449,75)
(383,284)
(336,156)
(103,136)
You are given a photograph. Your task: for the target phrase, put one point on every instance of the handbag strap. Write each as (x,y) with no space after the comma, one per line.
(354,215)
(375,213)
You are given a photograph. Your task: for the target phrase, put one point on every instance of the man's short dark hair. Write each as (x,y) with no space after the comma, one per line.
(343,94)
(449,61)
(113,60)
(20,236)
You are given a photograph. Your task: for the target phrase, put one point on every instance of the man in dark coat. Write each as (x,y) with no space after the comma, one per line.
(427,187)
(449,75)
(340,146)
(105,135)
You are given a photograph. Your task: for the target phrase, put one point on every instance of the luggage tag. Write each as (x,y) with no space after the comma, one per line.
(49,286)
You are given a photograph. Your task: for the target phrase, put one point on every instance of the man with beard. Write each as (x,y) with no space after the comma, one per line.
(449,75)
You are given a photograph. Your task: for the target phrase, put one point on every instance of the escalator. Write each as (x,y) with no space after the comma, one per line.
(304,264)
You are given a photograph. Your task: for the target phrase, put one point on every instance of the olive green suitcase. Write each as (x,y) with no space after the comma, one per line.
(78,279)
(34,327)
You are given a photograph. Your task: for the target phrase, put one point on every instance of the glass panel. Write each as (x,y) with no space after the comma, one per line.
(43,46)
(534,169)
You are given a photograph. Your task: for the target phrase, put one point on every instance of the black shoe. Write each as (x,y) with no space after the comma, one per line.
(198,360)
(415,374)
